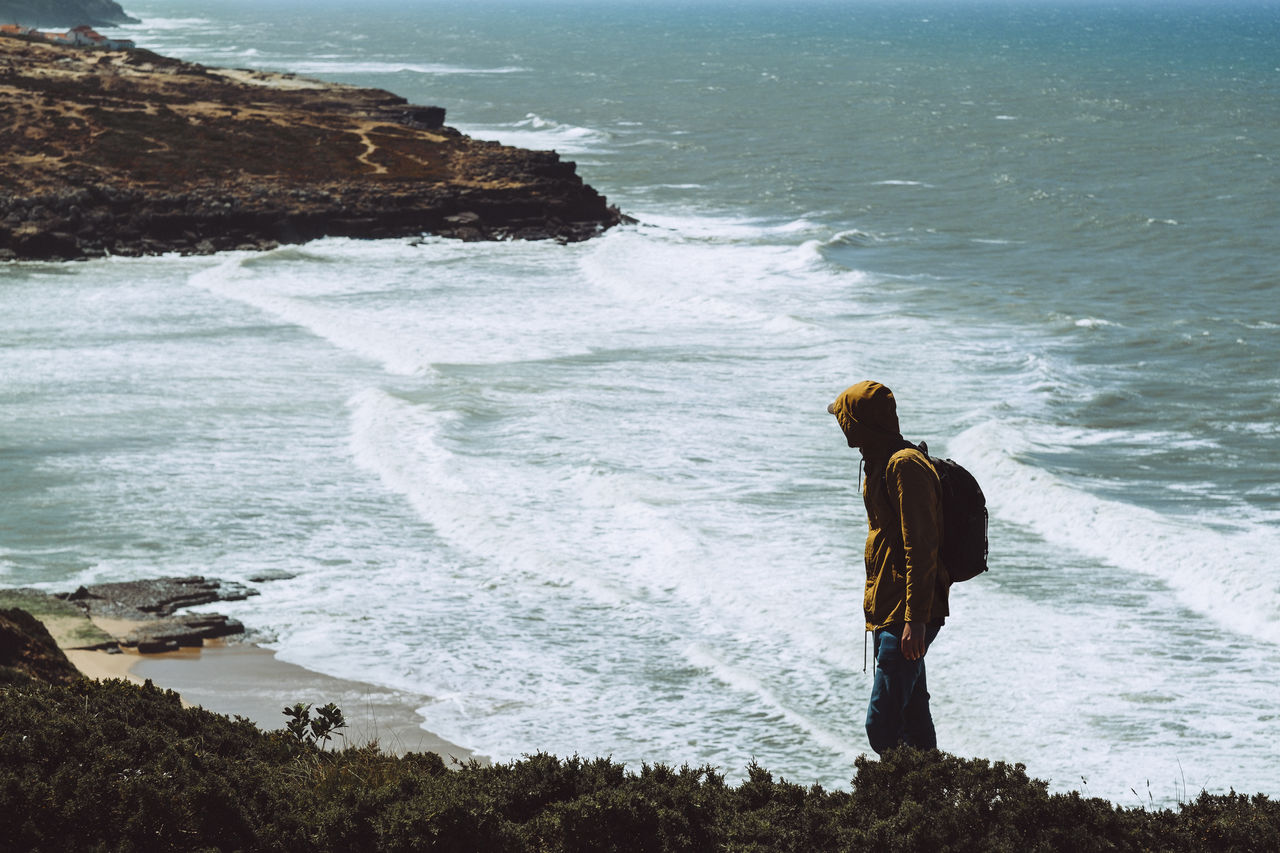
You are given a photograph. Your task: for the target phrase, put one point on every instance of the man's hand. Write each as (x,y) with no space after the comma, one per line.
(913,641)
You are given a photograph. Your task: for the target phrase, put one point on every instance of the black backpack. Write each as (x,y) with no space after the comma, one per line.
(964,519)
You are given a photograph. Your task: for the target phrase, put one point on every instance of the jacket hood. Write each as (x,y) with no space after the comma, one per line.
(868,414)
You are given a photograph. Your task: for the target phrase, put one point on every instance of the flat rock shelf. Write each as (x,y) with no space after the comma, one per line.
(140,615)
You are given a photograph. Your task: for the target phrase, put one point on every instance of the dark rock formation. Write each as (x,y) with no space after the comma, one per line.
(188,630)
(130,153)
(26,648)
(154,598)
(152,603)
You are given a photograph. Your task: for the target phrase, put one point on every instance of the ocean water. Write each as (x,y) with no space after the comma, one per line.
(588,498)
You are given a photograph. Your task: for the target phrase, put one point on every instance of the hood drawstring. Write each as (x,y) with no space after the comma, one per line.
(864,633)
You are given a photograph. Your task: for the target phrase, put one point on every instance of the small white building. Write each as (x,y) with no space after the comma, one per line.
(86,36)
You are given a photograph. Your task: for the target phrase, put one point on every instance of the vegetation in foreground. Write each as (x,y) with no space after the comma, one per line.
(112,766)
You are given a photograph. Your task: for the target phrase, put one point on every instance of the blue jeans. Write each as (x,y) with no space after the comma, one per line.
(898,713)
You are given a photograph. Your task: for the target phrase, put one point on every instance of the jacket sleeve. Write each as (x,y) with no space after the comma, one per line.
(914,489)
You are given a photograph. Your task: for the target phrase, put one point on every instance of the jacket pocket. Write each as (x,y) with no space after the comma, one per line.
(883,595)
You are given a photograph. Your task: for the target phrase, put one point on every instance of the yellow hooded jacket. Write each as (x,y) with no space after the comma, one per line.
(906,580)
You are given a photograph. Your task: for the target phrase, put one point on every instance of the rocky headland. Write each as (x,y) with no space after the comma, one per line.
(129,153)
(63,13)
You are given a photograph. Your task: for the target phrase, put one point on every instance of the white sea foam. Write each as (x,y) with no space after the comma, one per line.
(164,24)
(109,570)
(492,316)
(464,501)
(541,134)
(231,279)
(901,183)
(1224,575)
(658,553)
(764,698)
(671,281)
(557,523)
(337,66)
(727,226)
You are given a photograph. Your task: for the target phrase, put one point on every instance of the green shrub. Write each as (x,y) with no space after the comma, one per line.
(113,766)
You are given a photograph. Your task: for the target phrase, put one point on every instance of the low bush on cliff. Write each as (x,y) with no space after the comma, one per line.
(113,766)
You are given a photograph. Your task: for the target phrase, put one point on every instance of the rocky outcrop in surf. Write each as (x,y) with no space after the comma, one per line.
(129,153)
(146,610)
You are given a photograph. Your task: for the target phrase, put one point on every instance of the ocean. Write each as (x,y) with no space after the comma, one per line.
(588,497)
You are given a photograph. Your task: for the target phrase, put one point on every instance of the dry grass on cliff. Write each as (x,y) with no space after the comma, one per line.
(131,119)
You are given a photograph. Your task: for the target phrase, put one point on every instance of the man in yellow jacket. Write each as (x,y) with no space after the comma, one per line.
(905,602)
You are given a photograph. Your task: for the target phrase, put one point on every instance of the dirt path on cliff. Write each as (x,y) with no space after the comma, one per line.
(370,148)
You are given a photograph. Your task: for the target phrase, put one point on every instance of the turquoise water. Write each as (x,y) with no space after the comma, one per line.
(588,496)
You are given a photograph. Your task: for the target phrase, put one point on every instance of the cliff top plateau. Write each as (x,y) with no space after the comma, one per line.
(128,152)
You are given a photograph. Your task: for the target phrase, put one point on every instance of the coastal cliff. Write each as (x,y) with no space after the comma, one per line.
(63,13)
(129,153)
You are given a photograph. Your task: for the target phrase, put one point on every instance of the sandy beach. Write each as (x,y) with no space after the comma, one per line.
(242,679)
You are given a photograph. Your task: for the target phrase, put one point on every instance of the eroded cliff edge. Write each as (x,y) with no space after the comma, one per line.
(128,152)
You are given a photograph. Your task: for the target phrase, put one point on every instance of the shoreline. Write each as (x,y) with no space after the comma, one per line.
(248,680)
